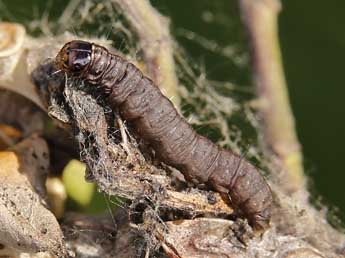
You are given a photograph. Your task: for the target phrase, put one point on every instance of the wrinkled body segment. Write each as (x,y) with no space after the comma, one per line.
(175,142)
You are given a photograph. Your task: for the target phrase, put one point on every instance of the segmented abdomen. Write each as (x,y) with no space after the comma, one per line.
(176,143)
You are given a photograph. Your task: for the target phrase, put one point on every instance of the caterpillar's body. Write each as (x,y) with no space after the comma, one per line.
(173,139)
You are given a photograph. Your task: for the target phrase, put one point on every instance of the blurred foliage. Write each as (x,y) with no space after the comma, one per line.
(313,47)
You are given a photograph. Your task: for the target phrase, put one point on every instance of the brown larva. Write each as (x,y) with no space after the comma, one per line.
(173,139)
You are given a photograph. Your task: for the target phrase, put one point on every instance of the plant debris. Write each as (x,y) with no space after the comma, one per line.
(25,222)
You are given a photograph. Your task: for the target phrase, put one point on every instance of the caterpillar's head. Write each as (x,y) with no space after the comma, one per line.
(75,57)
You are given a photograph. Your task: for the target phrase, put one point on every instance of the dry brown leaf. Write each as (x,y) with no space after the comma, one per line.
(91,236)
(8,135)
(26,225)
(34,162)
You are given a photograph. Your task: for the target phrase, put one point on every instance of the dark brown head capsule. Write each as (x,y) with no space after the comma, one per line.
(88,61)
(75,57)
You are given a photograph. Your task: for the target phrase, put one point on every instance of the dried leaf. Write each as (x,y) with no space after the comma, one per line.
(33,156)
(8,136)
(90,236)
(25,223)
(20,113)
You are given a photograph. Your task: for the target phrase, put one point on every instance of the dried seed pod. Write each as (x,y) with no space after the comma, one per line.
(157,121)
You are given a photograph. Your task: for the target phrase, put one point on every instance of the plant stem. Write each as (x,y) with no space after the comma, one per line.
(153,32)
(260,20)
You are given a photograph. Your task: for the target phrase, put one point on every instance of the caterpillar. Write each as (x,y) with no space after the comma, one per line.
(174,141)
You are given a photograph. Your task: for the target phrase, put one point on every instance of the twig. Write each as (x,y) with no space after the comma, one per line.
(260,19)
(153,32)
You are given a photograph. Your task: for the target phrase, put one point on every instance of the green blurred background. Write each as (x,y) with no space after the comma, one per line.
(313,46)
